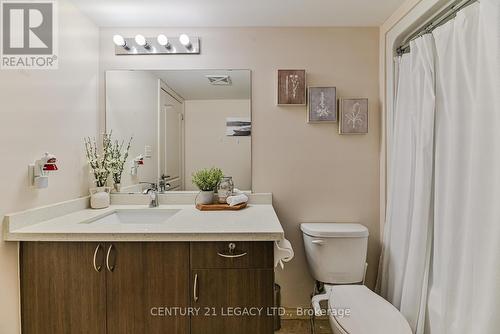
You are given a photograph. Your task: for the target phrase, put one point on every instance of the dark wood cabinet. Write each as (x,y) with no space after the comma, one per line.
(60,290)
(233,301)
(103,288)
(147,276)
(233,287)
(231,255)
(125,287)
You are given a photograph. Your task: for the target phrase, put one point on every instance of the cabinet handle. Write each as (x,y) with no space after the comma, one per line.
(97,268)
(195,288)
(230,252)
(110,267)
(232,256)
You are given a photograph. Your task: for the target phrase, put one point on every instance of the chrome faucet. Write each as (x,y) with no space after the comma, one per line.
(152,190)
(153,194)
(163,185)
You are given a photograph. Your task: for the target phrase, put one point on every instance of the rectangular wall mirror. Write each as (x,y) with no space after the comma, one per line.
(181,121)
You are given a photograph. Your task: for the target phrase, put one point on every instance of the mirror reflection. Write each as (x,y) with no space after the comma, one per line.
(181,121)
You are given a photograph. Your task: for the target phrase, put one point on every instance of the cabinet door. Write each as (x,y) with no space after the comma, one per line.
(147,278)
(61,292)
(220,293)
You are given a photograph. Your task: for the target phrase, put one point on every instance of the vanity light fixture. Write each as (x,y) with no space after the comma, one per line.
(184,39)
(141,41)
(120,41)
(163,41)
(159,45)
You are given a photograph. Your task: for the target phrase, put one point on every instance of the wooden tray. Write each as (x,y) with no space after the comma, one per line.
(220,207)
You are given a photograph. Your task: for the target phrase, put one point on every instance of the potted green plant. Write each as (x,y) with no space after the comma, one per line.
(206,180)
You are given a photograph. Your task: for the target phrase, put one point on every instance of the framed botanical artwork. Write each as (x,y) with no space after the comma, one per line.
(353,116)
(322,105)
(292,87)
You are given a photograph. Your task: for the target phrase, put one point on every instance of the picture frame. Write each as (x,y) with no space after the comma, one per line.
(291,88)
(353,116)
(322,104)
(238,126)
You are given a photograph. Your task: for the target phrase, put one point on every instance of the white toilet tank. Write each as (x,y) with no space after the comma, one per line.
(336,252)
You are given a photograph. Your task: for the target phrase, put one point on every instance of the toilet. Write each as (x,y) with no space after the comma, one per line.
(336,255)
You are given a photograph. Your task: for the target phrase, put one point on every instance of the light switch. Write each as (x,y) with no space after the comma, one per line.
(148,151)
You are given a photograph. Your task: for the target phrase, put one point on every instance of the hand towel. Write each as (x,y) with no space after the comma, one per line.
(237,199)
(283,252)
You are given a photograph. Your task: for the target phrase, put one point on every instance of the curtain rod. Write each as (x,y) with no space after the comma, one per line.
(435,21)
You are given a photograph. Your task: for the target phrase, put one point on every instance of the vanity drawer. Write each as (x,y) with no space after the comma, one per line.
(232,254)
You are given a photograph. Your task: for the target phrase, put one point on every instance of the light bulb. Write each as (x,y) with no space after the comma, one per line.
(184,39)
(141,40)
(162,40)
(119,40)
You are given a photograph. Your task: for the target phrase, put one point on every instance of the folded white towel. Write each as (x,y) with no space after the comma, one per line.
(283,252)
(237,199)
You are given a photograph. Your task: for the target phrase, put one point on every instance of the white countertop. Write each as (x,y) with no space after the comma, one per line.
(257,222)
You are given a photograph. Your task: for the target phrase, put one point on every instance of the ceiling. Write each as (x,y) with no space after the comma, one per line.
(194,85)
(237,13)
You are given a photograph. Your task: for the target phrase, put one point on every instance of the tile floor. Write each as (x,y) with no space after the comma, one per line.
(303,327)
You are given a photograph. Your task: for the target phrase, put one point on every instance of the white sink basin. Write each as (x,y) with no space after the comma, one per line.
(136,217)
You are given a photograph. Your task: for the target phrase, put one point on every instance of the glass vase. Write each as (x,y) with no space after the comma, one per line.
(225,188)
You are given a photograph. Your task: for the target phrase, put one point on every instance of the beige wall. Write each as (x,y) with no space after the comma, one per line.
(314,173)
(206,143)
(45,110)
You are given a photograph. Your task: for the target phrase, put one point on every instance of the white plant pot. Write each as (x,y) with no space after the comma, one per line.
(205,197)
(99,197)
(117,187)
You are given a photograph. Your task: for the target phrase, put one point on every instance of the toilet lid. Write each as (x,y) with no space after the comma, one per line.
(369,313)
(334,230)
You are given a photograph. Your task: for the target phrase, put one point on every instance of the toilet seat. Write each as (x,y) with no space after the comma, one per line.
(369,313)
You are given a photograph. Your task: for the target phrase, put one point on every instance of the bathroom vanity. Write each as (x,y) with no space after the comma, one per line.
(108,271)
(131,269)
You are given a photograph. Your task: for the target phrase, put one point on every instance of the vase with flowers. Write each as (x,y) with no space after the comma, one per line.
(118,157)
(100,165)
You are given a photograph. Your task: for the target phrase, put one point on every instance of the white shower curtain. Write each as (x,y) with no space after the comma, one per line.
(458,290)
(407,233)
(464,294)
